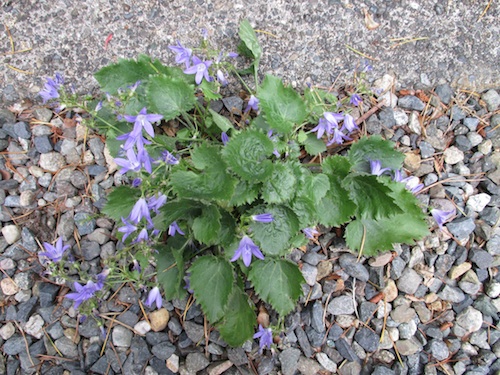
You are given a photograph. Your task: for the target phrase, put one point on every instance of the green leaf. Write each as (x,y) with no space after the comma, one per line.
(277,282)
(314,186)
(124,73)
(381,234)
(170,266)
(374,148)
(274,237)
(120,202)
(169,96)
(207,226)
(336,207)
(227,230)
(302,137)
(247,154)
(336,165)
(212,283)
(238,323)
(280,186)
(371,195)
(222,122)
(245,192)
(212,183)
(313,145)
(282,106)
(209,90)
(175,210)
(249,38)
(305,210)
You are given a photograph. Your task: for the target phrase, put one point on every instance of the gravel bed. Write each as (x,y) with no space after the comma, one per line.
(430,308)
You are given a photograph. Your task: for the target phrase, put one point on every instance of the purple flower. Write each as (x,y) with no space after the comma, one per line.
(441,216)
(137,182)
(168,158)
(101,278)
(220,77)
(98,107)
(131,163)
(83,293)
(232,54)
(263,218)
(55,253)
(154,296)
(310,233)
(174,228)
(183,55)
(338,138)
(143,121)
(134,86)
(204,33)
(245,250)
(376,168)
(349,123)
(139,211)
(355,100)
(253,103)
(327,124)
(413,184)
(142,236)
(200,68)
(135,137)
(51,88)
(155,202)
(224,138)
(265,336)
(188,283)
(127,230)
(136,266)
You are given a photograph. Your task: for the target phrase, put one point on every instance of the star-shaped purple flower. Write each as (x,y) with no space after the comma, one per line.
(265,336)
(143,121)
(55,253)
(253,103)
(174,228)
(200,68)
(83,293)
(376,168)
(355,99)
(182,54)
(139,211)
(245,250)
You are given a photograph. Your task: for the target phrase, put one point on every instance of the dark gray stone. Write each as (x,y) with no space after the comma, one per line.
(90,250)
(22,130)
(353,268)
(266,365)
(89,328)
(43,144)
(382,370)
(92,355)
(386,116)
(101,366)
(47,293)
(95,170)
(140,350)
(128,318)
(85,223)
(196,362)
(463,143)
(366,310)
(411,102)
(194,331)
(445,93)
(163,350)
(426,150)
(452,294)
(461,228)
(16,345)
(233,104)
(9,184)
(289,359)
(367,339)
(480,257)
(175,326)
(25,309)
(346,351)
(115,361)
(457,113)
(438,349)
(317,317)
(155,338)
(304,342)
(55,330)
(237,356)
(471,123)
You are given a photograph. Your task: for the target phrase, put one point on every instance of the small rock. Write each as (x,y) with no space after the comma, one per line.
(342,305)
(411,102)
(289,359)
(52,161)
(34,326)
(11,233)
(100,235)
(402,314)
(457,271)
(196,362)
(470,319)
(492,100)
(326,362)
(412,161)
(445,93)
(478,202)
(219,368)
(408,347)
(159,319)
(353,268)
(173,363)
(414,123)
(462,228)
(233,104)
(346,350)
(163,350)
(142,327)
(9,287)
(367,339)
(122,336)
(15,345)
(451,294)
(385,83)
(307,366)
(237,356)
(452,155)
(85,223)
(310,273)
(324,269)
(67,347)
(409,281)
(7,330)
(481,258)
(439,350)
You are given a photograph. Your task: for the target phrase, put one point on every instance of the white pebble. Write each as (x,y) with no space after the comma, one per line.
(478,202)
(142,327)
(11,233)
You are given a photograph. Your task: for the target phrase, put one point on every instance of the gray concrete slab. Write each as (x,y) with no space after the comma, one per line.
(309,38)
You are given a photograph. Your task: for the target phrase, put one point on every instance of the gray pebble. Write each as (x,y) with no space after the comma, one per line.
(411,102)
(367,339)
(67,347)
(480,257)
(461,228)
(163,350)
(43,144)
(237,356)
(122,336)
(353,268)
(445,93)
(438,349)
(194,331)
(342,305)
(492,99)
(289,359)
(409,281)
(85,223)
